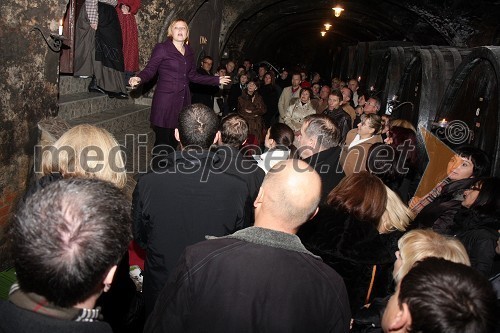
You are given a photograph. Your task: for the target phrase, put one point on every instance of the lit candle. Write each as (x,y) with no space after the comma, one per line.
(61,27)
(443,123)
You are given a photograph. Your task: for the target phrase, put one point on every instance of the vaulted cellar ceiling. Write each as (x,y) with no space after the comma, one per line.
(284,30)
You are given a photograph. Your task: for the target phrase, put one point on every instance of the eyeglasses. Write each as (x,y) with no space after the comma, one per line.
(208,62)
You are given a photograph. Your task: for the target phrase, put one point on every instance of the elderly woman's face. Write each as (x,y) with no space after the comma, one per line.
(251,87)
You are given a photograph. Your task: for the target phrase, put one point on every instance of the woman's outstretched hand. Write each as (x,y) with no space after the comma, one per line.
(134,81)
(224,80)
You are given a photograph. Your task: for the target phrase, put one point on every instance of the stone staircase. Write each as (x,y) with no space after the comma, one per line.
(126,119)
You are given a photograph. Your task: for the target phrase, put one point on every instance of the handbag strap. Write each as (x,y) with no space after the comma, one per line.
(374,272)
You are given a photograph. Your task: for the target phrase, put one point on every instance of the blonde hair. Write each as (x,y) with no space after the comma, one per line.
(170,30)
(417,245)
(402,123)
(86,151)
(397,215)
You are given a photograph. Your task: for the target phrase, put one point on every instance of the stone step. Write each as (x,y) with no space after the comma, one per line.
(116,119)
(68,84)
(84,104)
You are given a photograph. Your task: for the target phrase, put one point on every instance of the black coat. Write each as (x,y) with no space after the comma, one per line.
(267,282)
(352,248)
(479,234)
(236,164)
(326,163)
(234,92)
(271,96)
(439,214)
(180,204)
(202,93)
(342,119)
(17,320)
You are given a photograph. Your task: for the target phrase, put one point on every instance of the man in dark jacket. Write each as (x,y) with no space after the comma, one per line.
(234,132)
(260,279)
(201,93)
(438,295)
(185,199)
(318,145)
(67,239)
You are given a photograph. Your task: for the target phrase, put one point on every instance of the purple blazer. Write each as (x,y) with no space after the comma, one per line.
(175,71)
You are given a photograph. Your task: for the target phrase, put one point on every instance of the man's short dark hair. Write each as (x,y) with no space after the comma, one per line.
(233,130)
(207,58)
(67,236)
(198,125)
(337,93)
(443,296)
(322,128)
(350,91)
(478,157)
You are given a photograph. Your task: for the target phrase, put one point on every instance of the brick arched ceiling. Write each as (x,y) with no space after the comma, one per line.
(283,30)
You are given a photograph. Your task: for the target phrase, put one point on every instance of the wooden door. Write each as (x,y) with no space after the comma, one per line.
(67,53)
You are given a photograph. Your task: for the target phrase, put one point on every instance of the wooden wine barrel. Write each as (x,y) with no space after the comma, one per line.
(346,61)
(390,71)
(367,59)
(424,81)
(352,63)
(336,62)
(471,103)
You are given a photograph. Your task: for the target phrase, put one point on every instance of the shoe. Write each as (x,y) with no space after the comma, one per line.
(93,87)
(118,95)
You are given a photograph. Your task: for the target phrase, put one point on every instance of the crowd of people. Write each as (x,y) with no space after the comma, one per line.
(320,232)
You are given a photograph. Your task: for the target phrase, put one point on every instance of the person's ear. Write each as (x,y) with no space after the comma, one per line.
(109,278)
(176,134)
(217,138)
(260,195)
(402,321)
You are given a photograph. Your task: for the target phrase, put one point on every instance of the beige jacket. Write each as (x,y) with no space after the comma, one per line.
(353,160)
(287,98)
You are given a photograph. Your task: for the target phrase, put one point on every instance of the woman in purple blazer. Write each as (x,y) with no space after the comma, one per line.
(173,61)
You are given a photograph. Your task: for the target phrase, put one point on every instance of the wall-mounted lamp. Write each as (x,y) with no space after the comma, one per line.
(323,33)
(54,41)
(327,26)
(337,10)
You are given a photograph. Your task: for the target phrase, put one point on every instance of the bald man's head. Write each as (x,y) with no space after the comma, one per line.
(289,196)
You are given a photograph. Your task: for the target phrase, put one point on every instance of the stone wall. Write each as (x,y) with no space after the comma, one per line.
(28,86)
(29,80)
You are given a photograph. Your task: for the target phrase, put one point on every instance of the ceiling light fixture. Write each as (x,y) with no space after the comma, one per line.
(338,10)
(327,26)
(323,33)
